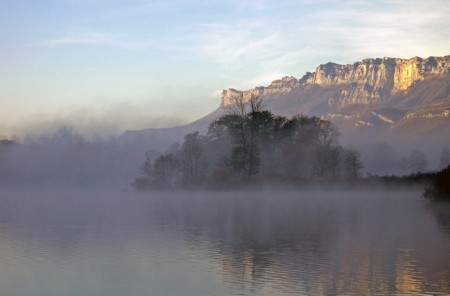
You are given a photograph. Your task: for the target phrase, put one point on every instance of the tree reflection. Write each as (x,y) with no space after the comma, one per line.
(260,243)
(304,242)
(441,211)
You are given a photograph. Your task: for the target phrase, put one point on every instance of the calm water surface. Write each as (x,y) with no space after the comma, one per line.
(295,243)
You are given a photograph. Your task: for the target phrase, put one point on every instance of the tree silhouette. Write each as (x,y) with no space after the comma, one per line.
(353,163)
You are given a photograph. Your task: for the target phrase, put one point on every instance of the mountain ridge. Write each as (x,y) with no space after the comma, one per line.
(368,81)
(379,99)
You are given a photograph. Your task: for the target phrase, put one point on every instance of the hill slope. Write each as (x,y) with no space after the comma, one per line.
(403,102)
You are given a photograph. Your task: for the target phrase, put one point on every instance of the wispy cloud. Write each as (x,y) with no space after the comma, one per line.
(397,30)
(84,38)
(90,38)
(204,44)
(230,44)
(277,35)
(343,29)
(90,120)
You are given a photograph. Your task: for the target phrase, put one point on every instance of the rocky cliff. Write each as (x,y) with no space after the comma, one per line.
(403,102)
(283,85)
(366,82)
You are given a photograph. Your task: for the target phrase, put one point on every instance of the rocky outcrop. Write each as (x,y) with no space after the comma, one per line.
(384,99)
(365,82)
(283,85)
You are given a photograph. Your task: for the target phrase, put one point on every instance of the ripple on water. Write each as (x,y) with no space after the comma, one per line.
(237,244)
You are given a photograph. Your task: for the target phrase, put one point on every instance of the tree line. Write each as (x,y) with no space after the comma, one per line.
(248,145)
(65,158)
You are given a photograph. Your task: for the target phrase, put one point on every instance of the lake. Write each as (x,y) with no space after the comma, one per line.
(104,243)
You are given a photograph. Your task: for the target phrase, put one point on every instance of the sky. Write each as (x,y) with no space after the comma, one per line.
(106,66)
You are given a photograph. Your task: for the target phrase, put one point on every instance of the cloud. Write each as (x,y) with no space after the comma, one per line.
(90,38)
(385,27)
(263,79)
(396,31)
(265,34)
(89,120)
(296,37)
(235,44)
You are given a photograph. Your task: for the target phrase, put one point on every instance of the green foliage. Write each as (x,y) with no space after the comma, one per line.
(244,125)
(265,143)
(250,144)
(246,162)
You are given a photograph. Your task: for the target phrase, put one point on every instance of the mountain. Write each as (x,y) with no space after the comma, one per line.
(405,102)
(332,86)
(162,138)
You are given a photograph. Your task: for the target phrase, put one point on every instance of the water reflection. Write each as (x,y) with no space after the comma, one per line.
(441,211)
(221,244)
(370,244)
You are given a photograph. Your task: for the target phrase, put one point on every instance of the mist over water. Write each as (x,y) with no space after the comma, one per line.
(104,242)
(72,223)
(121,172)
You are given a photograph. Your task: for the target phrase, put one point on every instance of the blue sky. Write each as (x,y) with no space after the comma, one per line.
(112,65)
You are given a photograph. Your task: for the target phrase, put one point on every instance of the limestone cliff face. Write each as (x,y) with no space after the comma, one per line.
(386,99)
(283,85)
(365,82)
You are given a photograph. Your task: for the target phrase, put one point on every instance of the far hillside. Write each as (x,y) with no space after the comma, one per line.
(377,102)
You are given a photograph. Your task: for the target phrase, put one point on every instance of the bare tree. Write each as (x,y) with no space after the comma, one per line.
(147,165)
(164,170)
(245,157)
(191,155)
(353,163)
(328,134)
(328,150)
(66,135)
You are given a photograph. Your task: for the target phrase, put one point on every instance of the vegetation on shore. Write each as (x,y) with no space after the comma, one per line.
(439,189)
(250,146)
